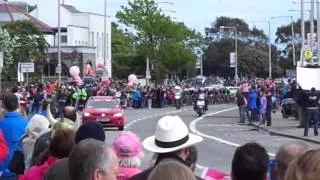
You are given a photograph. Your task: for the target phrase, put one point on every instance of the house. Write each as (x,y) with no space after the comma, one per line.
(82,37)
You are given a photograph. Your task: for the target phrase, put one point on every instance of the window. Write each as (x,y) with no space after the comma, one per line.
(64,39)
(76,43)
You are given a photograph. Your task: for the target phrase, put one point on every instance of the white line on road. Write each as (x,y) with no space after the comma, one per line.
(155,115)
(194,130)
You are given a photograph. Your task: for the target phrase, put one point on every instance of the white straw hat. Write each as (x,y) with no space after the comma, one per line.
(171,135)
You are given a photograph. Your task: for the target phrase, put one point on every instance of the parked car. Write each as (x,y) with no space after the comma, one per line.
(105,110)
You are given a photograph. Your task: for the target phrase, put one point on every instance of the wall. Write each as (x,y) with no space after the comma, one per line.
(78,36)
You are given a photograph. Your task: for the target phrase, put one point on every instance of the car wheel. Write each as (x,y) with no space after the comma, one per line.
(121,128)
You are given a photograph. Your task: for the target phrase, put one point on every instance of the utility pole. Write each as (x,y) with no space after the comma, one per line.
(105,35)
(270,58)
(312,27)
(318,32)
(302,33)
(59,69)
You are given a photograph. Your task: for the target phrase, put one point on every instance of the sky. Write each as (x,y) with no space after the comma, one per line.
(199,14)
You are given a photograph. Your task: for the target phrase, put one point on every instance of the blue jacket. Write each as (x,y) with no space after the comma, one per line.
(13,127)
(136,95)
(252,100)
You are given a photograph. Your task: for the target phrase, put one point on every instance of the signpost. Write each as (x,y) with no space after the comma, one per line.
(232,60)
(27,68)
(1,67)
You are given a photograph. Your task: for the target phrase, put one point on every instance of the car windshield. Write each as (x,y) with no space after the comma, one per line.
(102,104)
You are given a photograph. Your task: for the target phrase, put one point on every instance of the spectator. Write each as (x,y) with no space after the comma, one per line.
(70,120)
(37,126)
(90,129)
(263,108)
(3,147)
(93,160)
(13,128)
(252,104)
(250,162)
(56,150)
(285,155)
(128,149)
(171,170)
(306,167)
(242,104)
(172,140)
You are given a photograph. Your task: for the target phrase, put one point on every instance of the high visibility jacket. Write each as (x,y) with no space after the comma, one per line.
(84,94)
(75,94)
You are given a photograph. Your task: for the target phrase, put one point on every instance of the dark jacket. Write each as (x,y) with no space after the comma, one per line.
(145,174)
(41,144)
(59,171)
(313,100)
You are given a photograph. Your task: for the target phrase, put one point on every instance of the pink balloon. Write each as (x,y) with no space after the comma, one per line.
(106,82)
(74,71)
(89,70)
(132,78)
(78,80)
(130,83)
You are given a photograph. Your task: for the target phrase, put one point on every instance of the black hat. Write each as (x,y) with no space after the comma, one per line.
(90,129)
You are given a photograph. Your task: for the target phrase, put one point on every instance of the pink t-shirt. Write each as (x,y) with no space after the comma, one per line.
(125,173)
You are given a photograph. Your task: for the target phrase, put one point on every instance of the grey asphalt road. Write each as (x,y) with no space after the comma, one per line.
(220,130)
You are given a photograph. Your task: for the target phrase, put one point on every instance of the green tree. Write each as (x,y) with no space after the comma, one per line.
(253,58)
(29,46)
(155,34)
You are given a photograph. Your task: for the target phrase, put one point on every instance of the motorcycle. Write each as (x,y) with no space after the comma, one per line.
(200,107)
(177,99)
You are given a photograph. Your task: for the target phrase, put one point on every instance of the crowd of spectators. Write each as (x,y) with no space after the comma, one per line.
(69,149)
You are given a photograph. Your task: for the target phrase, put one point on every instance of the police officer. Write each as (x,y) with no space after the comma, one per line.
(312,112)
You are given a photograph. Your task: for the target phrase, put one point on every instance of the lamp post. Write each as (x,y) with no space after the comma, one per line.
(59,69)
(292,34)
(270,57)
(236,49)
(105,36)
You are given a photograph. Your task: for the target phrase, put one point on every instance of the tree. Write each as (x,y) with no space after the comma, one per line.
(154,33)
(28,45)
(252,50)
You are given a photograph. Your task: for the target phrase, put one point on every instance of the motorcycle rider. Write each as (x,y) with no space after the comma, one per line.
(201,95)
(177,92)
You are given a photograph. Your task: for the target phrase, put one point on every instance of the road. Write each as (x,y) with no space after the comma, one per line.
(219,128)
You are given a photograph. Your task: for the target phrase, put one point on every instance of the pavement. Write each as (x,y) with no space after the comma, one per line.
(219,128)
(287,127)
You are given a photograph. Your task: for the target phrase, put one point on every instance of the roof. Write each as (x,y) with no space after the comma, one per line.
(70,8)
(11,13)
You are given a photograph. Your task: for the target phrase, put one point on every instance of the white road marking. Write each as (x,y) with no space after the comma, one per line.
(155,115)
(194,130)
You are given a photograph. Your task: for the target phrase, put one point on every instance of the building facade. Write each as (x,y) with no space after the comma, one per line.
(82,37)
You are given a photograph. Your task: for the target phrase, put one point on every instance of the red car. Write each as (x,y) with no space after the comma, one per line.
(105,110)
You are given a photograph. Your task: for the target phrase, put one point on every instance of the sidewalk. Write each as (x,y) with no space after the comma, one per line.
(287,127)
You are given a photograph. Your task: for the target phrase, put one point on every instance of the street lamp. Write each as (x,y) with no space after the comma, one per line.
(270,61)
(236,48)
(59,69)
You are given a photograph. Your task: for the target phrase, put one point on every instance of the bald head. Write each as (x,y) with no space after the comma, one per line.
(70,113)
(286,154)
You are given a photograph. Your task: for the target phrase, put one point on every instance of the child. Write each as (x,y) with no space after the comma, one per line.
(262,108)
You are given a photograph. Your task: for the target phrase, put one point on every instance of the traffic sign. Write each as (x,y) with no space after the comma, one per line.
(308,54)
(27,67)
(58,70)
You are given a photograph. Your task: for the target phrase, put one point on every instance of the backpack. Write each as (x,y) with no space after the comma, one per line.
(241,100)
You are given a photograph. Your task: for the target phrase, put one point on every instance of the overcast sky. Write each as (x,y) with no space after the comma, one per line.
(199,14)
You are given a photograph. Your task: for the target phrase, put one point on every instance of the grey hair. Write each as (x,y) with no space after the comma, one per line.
(86,157)
(131,162)
(286,154)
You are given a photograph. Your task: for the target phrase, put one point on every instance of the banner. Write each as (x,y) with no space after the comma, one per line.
(232,60)
(308,78)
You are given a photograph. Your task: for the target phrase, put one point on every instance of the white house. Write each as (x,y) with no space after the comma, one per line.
(81,32)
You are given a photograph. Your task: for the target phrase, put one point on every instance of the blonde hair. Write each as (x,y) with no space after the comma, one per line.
(171,170)
(306,167)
